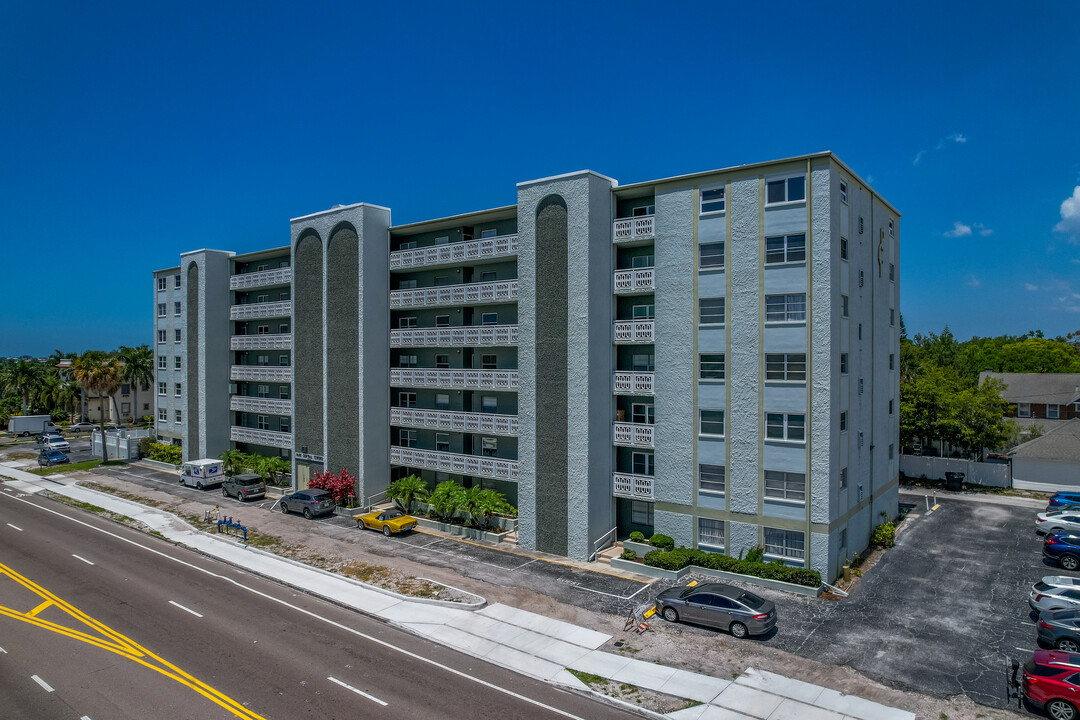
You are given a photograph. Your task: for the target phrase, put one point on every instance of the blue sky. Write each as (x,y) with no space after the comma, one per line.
(131,132)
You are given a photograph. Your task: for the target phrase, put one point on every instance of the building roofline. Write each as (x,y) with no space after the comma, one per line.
(169,269)
(563,176)
(268,252)
(339,208)
(451,220)
(230,253)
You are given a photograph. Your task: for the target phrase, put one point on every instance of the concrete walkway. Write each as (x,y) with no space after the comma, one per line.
(523,641)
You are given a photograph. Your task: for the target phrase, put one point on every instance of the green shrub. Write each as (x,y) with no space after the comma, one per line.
(637,537)
(756,555)
(884,535)
(628,554)
(679,558)
(662,541)
(145,445)
(165,453)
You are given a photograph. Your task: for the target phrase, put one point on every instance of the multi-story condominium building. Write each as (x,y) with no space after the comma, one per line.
(709,356)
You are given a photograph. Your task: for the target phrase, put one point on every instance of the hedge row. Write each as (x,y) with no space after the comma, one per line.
(682,557)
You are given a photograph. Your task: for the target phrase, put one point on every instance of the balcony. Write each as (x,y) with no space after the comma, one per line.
(270,438)
(633,383)
(455,421)
(638,487)
(455,253)
(454,463)
(261,405)
(471,336)
(634,435)
(636,280)
(634,331)
(455,379)
(261,342)
(264,373)
(263,278)
(257,311)
(467,294)
(636,228)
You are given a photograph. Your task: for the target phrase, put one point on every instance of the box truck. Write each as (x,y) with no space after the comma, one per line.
(27,425)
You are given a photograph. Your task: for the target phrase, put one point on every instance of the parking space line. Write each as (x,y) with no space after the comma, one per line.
(16,527)
(358,691)
(81,558)
(526,563)
(173,602)
(45,686)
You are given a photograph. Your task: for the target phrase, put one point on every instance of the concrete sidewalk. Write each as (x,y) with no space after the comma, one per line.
(523,641)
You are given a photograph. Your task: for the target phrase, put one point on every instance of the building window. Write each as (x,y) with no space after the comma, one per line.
(643,463)
(843,478)
(785,544)
(489,276)
(892,228)
(283,329)
(262,422)
(892,451)
(711,423)
(892,361)
(844,363)
(711,533)
(843,248)
(176,389)
(407,438)
(711,311)
(489,233)
(862,278)
(442,362)
(843,192)
(162,362)
(890,407)
(162,389)
(162,283)
(179,416)
(860,331)
(407,361)
(790,189)
(489,319)
(177,362)
(442,321)
(843,306)
(283,392)
(162,336)
(892,317)
(487,362)
(161,310)
(643,413)
(713,200)
(843,422)
(711,367)
(442,442)
(785,308)
(262,298)
(489,447)
(410,244)
(1053,412)
(644,312)
(642,261)
(176,335)
(262,360)
(407,284)
(284,296)
(841,543)
(860,386)
(892,271)
(785,426)
(711,478)
(442,401)
(283,425)
(711,255)
(788,486)
(406,399)
(176,308)
(262,330)
(785,248)
(791,366)
(163,414)
(283,360)
(407,322)
(641,513)
(643,362)
(263,391)
(489,404)
(441,240)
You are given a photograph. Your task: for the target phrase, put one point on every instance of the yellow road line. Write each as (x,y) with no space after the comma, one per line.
(36,611)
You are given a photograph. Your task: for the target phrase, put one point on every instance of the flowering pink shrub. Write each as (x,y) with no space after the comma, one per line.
(341,487)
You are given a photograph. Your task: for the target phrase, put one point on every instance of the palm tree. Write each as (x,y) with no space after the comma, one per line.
(57,393)
(407,490)
(138,369)
(232,461)
(447,499)
(23,378)
(100,373)
(278,467)
(482,504)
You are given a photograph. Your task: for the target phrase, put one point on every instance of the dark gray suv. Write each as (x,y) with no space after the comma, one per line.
(248,486)
(310,502)
(740,612)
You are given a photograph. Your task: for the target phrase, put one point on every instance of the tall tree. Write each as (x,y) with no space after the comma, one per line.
(138,369)
(100,373)
(23,378)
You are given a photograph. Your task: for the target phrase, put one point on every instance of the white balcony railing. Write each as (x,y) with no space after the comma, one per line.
(270,438)
(471,336)
(455,463)
(454,379)
(467,294)
(635,228)
(634,331)
(634,486)
(266,373)
(636,280)
(453,253)
(455,421)
(278,341)
(265,406)
(633,383)
(262,278)
(255,311)
(633,434)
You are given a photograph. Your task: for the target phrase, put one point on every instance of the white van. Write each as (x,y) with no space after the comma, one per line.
(202,473)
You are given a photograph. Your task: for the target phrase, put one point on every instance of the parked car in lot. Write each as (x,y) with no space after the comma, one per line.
(1063,550)
(56,443)
(1053,581)
(1060,629)
(387,521)
(740,612)
(50,434)
(1057,523)
(248,486)
(1050,682)
(80,427)
(1054,598)
(52,457)
(310,502)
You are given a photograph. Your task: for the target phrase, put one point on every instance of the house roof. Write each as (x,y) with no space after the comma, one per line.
(1039,388)
(1062,443)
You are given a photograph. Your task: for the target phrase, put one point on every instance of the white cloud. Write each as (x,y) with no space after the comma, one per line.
(957,137)
(919,157)
(983,230)
(1030,287)
(959,230)
(973,281)
(1070,216)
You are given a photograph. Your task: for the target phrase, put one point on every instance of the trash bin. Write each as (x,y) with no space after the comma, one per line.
(954,481)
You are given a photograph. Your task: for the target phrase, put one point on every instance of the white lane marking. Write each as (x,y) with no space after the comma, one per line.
(1025,650)
(172,602)
(2,650)
(315,616)
(15,526)
(81,558)
(85,717)
(357,691)
(42,683)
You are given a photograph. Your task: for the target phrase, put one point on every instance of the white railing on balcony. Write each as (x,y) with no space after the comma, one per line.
(633,434)
(451,253)
(635,280)
(268,373)
(270,438)
(266,406)
(262,278)
(254,311)
(454,379)
(467,294)
(633,383)
(482,335)
(634,486)
(455,421)
(278,341)
(635,228)
(455,463)
(634,331)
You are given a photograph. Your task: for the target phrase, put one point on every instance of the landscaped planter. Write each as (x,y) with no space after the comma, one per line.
(676,575)
(508,524)
(463,530)
(639,547)
(643,569)
(160,465)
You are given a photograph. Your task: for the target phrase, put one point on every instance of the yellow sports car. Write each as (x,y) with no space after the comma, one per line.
(389,521)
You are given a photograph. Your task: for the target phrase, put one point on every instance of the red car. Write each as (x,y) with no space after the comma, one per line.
(1051,681)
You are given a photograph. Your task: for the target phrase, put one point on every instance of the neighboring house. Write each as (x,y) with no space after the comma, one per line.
(712,356)
(1039,396)
(1049,462)
(124,406)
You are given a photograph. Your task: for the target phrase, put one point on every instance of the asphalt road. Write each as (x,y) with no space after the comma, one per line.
(98,621)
